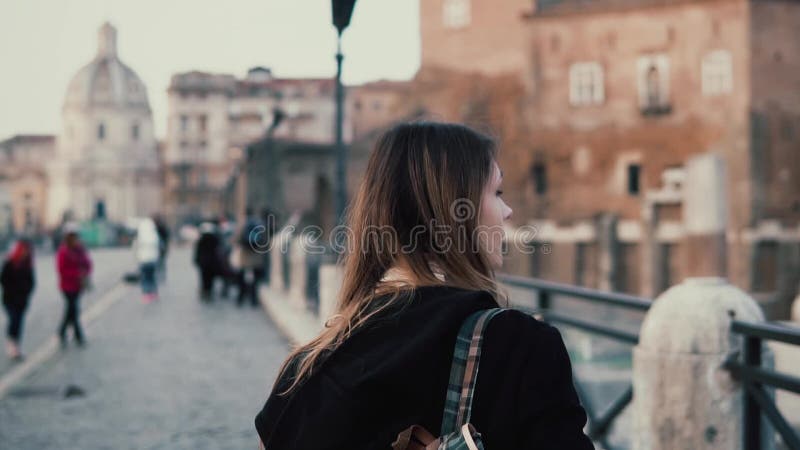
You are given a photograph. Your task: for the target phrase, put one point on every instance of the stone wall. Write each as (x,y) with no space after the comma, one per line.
(492,43)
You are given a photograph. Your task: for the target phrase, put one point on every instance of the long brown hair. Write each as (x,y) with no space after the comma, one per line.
(422,179)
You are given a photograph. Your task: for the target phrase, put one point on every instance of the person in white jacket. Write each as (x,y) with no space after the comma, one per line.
(146,248)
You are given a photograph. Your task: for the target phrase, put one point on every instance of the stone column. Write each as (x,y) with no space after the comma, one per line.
(682,397)
(705,216)
(652,276)
(608,249)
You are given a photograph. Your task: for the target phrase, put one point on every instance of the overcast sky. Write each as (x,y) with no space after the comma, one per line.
(44,42)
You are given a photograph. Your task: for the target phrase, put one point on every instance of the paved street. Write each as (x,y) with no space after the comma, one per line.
(170,375)
(47,304)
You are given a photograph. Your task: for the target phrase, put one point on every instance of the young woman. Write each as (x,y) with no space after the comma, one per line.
(74,266)
(18,281)
(383,362)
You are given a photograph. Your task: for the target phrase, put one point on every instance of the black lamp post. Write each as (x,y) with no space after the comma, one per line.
(342,11)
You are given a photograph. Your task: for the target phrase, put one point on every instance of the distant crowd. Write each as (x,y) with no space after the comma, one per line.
(225,254)
(74,268)
(233,256)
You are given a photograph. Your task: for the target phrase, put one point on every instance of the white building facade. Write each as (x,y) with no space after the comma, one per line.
(106,163)
(212,118)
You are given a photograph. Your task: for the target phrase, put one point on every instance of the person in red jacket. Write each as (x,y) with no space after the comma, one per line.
(74,267)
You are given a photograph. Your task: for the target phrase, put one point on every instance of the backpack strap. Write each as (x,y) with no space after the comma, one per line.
(464,370)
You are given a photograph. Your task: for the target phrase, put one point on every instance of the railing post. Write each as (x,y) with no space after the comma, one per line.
(752,413)
(543,300)
(683,397)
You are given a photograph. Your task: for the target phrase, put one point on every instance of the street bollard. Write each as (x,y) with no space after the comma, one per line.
(298,273)
(276,280)
(682,396)
(796,308)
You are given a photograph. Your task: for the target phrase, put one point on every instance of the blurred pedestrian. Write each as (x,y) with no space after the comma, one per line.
(251,258)
(17,280)
(147,247)
(206,257)
(228,265)
(56,237)
(74,267)
(163,251)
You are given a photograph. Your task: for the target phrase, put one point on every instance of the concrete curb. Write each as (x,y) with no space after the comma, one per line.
(298,325)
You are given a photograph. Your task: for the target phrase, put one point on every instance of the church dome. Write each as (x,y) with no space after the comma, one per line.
(106,81)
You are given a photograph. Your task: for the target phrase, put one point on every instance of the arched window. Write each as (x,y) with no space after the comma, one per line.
(653,86)
(717,73)
(653,83)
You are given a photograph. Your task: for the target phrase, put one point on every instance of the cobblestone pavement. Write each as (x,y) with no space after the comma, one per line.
(176,374)
(47,304)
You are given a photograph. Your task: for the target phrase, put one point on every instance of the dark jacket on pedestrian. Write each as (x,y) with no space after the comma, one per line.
(17,281)
(163,234)
(206,252)
(73,266)
(252,241)
(394,373)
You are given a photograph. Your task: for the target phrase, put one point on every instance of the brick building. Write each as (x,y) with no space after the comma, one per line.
(622,93)
(487,37)
(25,182)
(600,105)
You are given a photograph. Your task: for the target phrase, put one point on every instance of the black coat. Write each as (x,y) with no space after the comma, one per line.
(17,282)
(394,373)
(206,252)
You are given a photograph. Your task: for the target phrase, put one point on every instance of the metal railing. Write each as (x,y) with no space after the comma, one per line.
(599,424)
(746,367)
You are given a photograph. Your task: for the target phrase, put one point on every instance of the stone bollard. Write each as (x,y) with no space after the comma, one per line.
(796,308)
(298,272)
(682,397)
(276,261)
(330,281)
